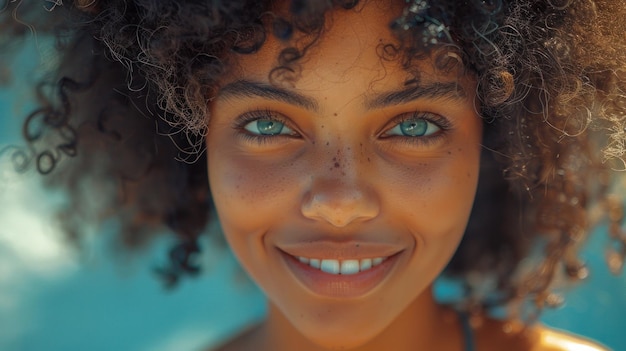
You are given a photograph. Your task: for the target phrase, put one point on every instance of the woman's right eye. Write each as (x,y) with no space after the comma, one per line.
(267,126)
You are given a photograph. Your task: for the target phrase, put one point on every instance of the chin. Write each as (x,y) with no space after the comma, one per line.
(343,340)
(340,329)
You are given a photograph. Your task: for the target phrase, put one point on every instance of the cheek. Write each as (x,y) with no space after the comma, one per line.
(433,203)
(435,198)
(250,200)
(249,195)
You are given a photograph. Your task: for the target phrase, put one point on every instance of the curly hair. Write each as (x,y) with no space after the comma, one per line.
(131,97)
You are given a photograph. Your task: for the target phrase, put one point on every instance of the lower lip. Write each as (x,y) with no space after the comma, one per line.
(339,285)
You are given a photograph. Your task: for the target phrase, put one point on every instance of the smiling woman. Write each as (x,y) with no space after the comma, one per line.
(355,169)
(355,151)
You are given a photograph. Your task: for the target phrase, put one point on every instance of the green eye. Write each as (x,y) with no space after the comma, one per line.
(414,127)
(267,127)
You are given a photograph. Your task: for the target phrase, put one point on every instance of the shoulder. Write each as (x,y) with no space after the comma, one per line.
(505,335)
(557,340)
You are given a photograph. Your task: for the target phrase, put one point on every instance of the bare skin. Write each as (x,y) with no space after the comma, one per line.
(490,335)
(347,171)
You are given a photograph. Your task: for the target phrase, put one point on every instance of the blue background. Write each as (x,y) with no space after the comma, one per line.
(55,298)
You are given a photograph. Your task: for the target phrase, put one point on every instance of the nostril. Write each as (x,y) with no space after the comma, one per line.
(338,216)
(339,204)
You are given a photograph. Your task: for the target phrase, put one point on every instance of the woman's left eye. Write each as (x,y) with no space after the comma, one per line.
(267,126)
(414,127)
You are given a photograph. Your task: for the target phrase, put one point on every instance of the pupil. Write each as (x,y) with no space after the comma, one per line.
(414,128)
(269,127)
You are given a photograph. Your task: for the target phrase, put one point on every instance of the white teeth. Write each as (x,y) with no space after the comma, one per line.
(366,264)
(344,266)
(315,263)
(350,267)
(330,266)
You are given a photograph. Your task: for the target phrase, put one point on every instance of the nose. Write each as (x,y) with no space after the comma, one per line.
(339,203)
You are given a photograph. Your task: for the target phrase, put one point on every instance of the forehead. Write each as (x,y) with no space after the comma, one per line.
(355,49)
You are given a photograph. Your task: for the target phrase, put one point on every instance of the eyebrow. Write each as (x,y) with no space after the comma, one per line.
(246,88)
(435,90)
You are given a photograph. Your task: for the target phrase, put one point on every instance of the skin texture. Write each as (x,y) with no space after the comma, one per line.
(338,176)
(341,181)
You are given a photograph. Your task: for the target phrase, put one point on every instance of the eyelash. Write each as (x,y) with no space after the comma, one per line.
(254,115)
(441,122)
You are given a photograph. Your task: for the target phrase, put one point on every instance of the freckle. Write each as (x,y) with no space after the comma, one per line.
(368,160)
(313,142)
(327,143)
(335,159)
(349,149)
(322,126)
(460,150)
(343,174)
(449,152)
(336,164)
(335,114)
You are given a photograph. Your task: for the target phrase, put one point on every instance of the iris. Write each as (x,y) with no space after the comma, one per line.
(266,127)
(414,127)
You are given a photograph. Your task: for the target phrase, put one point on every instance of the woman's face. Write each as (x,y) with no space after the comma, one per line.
(343,167)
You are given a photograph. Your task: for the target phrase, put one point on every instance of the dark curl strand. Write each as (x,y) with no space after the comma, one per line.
(131,103)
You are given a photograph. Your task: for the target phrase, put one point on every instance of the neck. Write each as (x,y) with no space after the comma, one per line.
(423,325)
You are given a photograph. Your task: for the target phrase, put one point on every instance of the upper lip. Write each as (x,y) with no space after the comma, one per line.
(354,250)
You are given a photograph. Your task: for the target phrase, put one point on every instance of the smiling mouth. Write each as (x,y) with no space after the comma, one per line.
(343,278)
(344,267)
